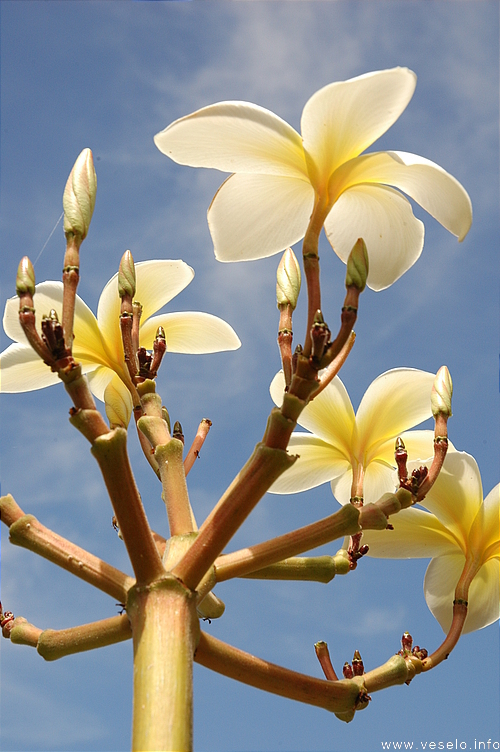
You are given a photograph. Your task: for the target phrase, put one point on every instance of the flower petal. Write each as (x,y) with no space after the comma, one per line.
(416,535)
(384,218)
(234,137)
(21,370)
(318,463)
(485,531)
(457,495)
(438,192)
(379,479)
(255,216)
(329,416)
(157,282)
(191,332)
(394,402)
(418,444)
(342,119)
(118,403)
(99,380)
(441,580)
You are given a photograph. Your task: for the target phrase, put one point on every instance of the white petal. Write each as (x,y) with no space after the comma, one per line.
(157,282)
(341,486)
(255,216)
(191,332)
(234,137)
(416,535)
(418,444)
(118,403)
(485,531)
(277,388)
(318,463)
(438,192)
(441,580)
(21,370)
(457,495)
(379,479)
(384,218)
(330,416)
(394,402)
(99,380)
(344,118)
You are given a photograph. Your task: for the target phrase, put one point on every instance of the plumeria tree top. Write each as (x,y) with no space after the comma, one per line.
(279,176)
(460,532)
(98,344)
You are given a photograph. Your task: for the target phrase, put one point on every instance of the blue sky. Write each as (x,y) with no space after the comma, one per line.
(109,75)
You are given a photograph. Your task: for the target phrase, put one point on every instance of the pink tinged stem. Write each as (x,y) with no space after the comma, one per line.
(198,441)
(58,643)
(71,277)
(323,656)
(110,452)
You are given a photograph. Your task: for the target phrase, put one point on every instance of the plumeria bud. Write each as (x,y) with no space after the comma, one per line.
(79,196)
(441,393)
(126,276)
(357,266)
(358,668)
(177,432)
(347,671)
(165,416)
(288,280)
(25,279)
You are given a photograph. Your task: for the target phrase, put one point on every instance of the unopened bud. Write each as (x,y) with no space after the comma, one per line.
(118,403)
(177,432)
(25,279)
(357,266)
(347,671)
(79,196)
(441,393)
(358,668)
(288,280)
(126,276)
(165,416)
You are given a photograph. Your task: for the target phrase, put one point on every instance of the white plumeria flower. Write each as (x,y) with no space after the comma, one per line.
(98,342)
(344,445)
(279,175)
(459,529)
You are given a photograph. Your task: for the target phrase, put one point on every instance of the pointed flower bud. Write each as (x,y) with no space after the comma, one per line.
(25,279)
(357,266)
(288,280)
(126,276)
(441,393)
(79,196)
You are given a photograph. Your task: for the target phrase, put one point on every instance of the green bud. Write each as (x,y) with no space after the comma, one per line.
(357,266)
(25,279)
(79,196)
(288,280)
(441,393)
(126,276)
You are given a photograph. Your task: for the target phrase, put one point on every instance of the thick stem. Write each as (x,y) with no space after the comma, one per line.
(57,643)
(301,568)
(253,480)
(110,452)
(230,661)
(29,533)
(165,632)
(341,523)
(175,493)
